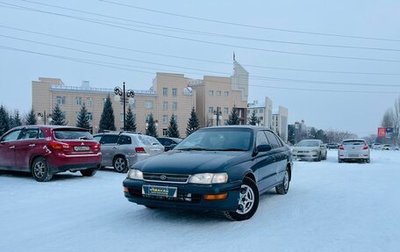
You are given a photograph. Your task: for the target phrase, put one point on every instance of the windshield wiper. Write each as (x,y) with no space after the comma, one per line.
(231,149)
(193,148)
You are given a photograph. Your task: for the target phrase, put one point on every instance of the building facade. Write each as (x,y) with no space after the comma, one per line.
(212,97)
(280,123)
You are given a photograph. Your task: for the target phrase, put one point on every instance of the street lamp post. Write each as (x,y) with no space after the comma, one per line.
(218,114)
(44,116)
(121,92)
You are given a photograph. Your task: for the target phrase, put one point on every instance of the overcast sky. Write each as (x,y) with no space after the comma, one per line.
(334,64)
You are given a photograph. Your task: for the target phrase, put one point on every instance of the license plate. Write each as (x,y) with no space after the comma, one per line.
(159,191)
(353,155)
(81,148)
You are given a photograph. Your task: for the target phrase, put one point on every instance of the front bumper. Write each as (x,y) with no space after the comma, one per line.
(305,156)
(189,196)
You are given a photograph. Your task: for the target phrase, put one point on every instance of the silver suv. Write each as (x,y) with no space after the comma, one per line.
(122,150)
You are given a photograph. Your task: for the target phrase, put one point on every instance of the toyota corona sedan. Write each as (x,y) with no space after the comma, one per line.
(217,168)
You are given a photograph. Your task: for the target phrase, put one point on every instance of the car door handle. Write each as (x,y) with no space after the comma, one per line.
(12,147)
(32,145)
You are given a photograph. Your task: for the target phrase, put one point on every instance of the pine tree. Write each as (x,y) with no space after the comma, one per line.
(151,127)
(58,117)
(130,121)
(17,119)
(83,118)
(4,120)
(172,130)
(253,118)
(107,120)
(234,117)
(193,123)
(30,118)
(11,123)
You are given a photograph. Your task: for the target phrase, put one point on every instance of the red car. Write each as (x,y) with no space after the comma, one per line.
(47,150)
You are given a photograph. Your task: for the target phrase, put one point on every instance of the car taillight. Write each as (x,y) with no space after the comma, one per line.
(58,145)
(365,147)
(97,147)
(140,150)
(341,147)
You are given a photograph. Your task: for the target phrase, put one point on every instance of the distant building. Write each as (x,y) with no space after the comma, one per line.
(280,123)
(263,112)
(169,94)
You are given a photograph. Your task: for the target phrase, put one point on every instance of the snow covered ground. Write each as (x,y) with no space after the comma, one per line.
(329,207)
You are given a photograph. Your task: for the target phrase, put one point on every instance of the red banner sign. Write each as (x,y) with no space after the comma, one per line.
(381,132)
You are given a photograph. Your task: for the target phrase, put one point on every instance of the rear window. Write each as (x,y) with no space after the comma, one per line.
(70,134)
(354,142)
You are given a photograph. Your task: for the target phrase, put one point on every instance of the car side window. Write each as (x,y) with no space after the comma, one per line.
(109,139)
(273,140)
(261,138)
(12,136)
(124,140)
(29,134)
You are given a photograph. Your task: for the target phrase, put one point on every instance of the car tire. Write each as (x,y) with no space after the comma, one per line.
(318,158)
(40,170)
(368,160)
(88,172)
(120,164)
(284,187)
(340,160)
(248,202)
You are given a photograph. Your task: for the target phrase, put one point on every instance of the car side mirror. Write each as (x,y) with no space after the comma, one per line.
(264,148)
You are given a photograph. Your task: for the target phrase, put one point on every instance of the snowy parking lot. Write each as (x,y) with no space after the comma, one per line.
(329,207)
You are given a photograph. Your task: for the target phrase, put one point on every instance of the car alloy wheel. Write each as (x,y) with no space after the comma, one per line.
(284,187)
(40,170)
(246,200)
(120,164)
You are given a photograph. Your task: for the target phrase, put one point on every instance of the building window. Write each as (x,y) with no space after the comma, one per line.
(174,92)
(226,110)
(90,116)
(89,101)
(211,92)
(165,105)
(164,132)
(175,106)
(165,119)
(60,100)
(148,104)
(226,93)
(165,91)
(261,110)
(78,100)
(210,110)
(218,93)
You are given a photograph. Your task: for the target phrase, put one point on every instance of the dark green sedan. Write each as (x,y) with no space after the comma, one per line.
(217,168)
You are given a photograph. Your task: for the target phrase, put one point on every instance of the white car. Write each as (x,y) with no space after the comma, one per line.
(310,149)
(354,150)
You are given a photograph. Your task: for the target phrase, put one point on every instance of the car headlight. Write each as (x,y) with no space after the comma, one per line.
(135,174)
(209,178)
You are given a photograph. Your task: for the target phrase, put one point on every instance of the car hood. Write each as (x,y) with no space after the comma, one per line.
(191,162)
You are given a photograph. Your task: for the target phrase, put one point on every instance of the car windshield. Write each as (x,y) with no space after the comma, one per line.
(308,143)
(218,140)
(71,134)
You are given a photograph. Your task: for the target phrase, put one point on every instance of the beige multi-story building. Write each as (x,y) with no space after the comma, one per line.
(170,94)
